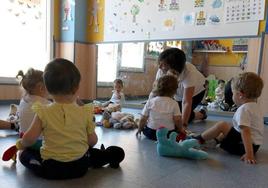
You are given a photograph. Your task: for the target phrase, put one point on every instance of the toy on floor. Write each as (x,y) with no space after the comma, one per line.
(171,148)
(119,120)
(99,107)
(13,117)
(11,153)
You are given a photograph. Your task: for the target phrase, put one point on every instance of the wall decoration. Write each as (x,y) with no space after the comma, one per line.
(67,9)
(174,5)
(201,18)
(244,10)
(93,19)
(169,24)
(135,20)
(214,19)
(25,10)
(135,10)
(189,18)
(162,5)
(199,3)
(217,4)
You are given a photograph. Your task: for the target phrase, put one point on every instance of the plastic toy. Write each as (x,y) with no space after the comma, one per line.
(171,148)
(11,153)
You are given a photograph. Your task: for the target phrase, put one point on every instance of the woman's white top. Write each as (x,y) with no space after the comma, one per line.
(190,77)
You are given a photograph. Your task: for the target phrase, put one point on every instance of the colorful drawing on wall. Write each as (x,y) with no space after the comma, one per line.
(199,3)
(135,10)
(244,11)
(67,9)
(174,5)
(201,18)
(217,4)
(93,19)
(162,6)
(169,24)
(25,10)
(214,19)
(189,18)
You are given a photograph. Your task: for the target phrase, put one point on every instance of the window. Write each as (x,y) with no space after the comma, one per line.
(113,58)
(25,37)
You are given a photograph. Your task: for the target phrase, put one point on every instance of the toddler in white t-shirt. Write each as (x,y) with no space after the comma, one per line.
(161,110)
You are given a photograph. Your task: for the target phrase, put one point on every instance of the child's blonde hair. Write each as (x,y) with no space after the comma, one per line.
(29,80)
(248,83)
(166,86)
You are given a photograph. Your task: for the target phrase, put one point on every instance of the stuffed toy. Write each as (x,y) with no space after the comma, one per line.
(118,120)
(171,148)
(13,117)
(11,153)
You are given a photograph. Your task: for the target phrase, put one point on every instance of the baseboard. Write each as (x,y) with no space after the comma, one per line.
(8,102)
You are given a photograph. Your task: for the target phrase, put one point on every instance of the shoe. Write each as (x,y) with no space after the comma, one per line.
(112,155)
(210,144)
(203,110)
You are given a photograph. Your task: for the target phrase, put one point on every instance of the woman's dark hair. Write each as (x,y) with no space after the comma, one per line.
(174,57)
(61,77)
(166,86)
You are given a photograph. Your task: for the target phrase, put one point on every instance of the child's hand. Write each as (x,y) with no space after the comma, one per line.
(249,159)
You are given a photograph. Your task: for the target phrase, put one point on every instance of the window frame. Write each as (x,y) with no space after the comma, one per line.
(120,68)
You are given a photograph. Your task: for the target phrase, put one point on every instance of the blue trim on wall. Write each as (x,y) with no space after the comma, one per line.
(81,20)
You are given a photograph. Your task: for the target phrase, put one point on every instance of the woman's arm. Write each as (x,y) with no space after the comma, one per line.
(187,104)
(31,135)
(248,157)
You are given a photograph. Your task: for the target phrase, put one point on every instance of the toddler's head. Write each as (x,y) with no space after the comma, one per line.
(166,86)
(32,82)
(61,77)
(221,83)
(118,85)
(248,84)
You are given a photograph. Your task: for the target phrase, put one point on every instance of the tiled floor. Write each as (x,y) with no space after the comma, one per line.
(142,166)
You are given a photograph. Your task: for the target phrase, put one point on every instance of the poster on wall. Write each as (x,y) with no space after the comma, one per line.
(141,20)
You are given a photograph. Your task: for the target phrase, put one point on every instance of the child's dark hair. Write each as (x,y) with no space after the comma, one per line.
(221,82)
(29,80)
(174,57)
(249,83)
(61,77)
(166,86)
(118,81)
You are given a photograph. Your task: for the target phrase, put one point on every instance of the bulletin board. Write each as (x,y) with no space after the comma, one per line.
(146,20)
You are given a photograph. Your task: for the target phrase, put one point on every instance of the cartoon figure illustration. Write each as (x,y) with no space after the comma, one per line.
(94,16)
(173,5)
(67,8)
(162,5)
